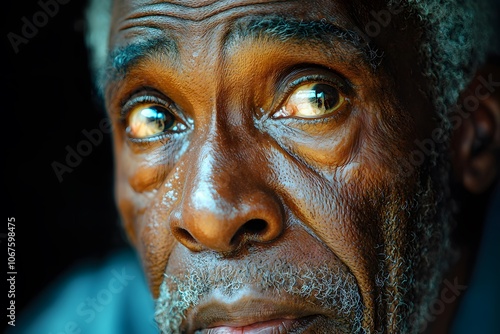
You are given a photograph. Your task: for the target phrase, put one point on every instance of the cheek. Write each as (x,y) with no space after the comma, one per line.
(146,223)
(340,216)
(155,246)
(350,207)
(146,194)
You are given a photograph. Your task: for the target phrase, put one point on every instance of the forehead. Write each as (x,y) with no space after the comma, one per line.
(195,19)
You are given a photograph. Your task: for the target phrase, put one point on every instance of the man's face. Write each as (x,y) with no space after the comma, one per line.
(262,152)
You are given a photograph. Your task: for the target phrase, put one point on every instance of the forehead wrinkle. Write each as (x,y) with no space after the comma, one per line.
(142,13)
(283,29)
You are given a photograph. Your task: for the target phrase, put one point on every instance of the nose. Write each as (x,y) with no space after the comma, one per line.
(224,206)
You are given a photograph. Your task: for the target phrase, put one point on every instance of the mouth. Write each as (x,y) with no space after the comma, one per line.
(251,313)
(272,326)
(208,294)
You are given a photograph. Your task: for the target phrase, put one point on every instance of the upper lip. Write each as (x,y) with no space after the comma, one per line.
(246,310)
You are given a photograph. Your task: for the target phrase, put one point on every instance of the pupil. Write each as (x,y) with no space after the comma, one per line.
(327,97)
(162,119)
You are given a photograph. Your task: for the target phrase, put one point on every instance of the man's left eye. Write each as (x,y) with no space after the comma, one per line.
(312,100)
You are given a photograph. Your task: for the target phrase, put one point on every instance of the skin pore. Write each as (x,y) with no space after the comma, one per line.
(260,153)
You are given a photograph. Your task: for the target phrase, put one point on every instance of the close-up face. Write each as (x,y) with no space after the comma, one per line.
(263,165)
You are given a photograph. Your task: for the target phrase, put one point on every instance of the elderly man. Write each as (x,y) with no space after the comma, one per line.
(294,166)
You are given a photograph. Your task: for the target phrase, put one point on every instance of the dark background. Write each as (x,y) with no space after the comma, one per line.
(47,101)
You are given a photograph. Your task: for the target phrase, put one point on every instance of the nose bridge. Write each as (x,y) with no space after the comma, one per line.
(209,179)
(223,203)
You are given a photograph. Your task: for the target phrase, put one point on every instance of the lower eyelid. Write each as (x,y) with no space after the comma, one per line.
(148,140)
(336,116)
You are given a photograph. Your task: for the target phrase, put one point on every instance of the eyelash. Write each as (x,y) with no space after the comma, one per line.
(137,98)
(143,99)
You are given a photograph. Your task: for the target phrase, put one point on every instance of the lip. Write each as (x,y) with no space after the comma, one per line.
(250,313)
(270,326)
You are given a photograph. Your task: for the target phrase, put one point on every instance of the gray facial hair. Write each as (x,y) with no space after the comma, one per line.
(407,284)
(331,290)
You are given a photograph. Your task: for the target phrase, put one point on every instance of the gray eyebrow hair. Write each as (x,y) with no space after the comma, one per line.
(285,29)
(120,60)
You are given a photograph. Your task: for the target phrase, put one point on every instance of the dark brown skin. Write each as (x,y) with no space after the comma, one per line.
(236,184)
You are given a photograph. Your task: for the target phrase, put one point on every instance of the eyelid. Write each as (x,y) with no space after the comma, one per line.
(144,99)
(336,82)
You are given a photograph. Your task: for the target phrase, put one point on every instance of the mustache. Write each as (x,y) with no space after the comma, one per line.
(333,289)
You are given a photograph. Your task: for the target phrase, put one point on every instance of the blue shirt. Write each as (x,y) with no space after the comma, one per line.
(108,298)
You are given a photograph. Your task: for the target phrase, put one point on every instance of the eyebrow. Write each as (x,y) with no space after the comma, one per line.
(120,60)
(283,29)
(274,28)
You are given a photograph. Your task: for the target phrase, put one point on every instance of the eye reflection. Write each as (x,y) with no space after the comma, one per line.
(312,100)
(150,120)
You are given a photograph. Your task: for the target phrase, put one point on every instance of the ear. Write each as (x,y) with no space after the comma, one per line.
(476,141)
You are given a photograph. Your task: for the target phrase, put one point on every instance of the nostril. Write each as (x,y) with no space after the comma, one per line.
(254,226)
(252,229)
(183,234)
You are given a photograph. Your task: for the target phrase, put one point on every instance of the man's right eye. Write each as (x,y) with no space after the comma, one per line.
(150,120)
